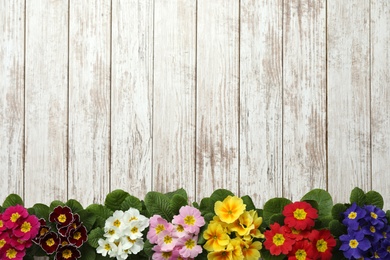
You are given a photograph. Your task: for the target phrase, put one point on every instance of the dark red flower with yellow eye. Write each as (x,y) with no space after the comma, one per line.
(78,236)
(50,242)
(299,215)
(43,230)
(65,230)
(68,252)
(63,216)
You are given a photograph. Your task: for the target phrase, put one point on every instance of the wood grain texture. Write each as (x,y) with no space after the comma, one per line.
(349,155)
(46,101)
(217,97)
(132,96)
(304,97)
(261,99)
(89,100)
(11,97)
(174,96)
(380,97)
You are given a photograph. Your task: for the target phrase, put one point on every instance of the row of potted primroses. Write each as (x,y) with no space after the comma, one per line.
(223,226)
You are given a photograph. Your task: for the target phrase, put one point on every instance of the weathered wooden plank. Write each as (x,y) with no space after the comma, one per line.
(89,100)
(11,97)
(304,97)
(132,96)
(380,97)
(217,96)
(46,97)
(261,73)
(349,157)
(174,96)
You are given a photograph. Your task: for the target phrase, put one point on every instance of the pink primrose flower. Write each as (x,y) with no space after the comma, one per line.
(13,214)
(28,228)
(190,248)
(168,255)
(190,218)
(167,240)
(157,225)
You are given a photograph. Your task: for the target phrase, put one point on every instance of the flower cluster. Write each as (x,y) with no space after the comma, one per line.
(123,234)
(17,229)
(232,232)
(296,238)
(68,235)
(368,233)
(179,239)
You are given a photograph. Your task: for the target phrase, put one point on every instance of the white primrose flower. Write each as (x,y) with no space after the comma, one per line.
(116,220)
(104,247)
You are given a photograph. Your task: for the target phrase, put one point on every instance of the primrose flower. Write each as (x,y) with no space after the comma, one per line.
(105,246)
(12,254)
(62,215)
(28,228)
(216,238)
(190,248)
(299,215)
(157,225)
(354,244)
(12,214)
(323,242)
(276,240)
(67,252)
(352,216)
(301,250)
(229,209)
(190,218)
(251,250)
(375,216)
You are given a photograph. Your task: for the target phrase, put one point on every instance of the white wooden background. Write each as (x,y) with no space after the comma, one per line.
(262,97)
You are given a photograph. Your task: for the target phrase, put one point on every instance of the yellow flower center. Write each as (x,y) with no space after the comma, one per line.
(352,215)
(77,235)
(180,228)
(159,228)
(64,243)
(300,254)
(133,218)
(50,242)
(353,243)
(2,243)
(295,231)
(26,227)
(131,240)
(67,254)
(321,245)
(388,249)
(373,215)
(190,243)
(1,223)
(134,230)
(107,247)
(43,231)
(278,239)
(300,214)
(111,232)
(117,223)
(11,253)
(168,239)
(14,217)
(372,229)
(189,220)
(61,218)
(376,255)
(166,255)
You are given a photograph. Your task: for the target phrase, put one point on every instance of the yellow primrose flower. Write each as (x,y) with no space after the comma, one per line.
(251,251)
(243,225)
(220,255)
(224,225)
(257,221)
(236,249)
(216,238)
(229,209)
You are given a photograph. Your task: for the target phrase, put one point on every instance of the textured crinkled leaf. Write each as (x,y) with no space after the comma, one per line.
(74,205)
(336,228)
(220,195)
(358,196)
(148,248)
(206,206)
(101,213)
(41,210)
(56,203)
(323,199)
(88,218)
(180,192)
(248,202)
(131,202)
(115,198)
(338,210)
(94,236)
(159,204)
(12,200)
(272,207)
(279,218)
(177,202)
(374,198)
(87,252)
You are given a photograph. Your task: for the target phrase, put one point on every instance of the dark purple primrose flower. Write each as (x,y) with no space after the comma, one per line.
(375,216)
(373,234)
(384,251)
(352,216)
(354,244)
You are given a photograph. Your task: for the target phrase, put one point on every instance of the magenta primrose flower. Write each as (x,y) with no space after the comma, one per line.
(12,214)
(28,228)
(190,218)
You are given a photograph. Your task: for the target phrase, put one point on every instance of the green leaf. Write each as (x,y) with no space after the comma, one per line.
(279,218)
(374,198)
(220,195)
(87,252)
(206,206)
(248,202)
(131,202)
(323,199)
(338,210)
(358,196)
(115,198)
(180,192)
(94,236)
(41,211)
(266,255)
(177,202)
(272,207)
(56,203)
(159,204)
(388,216)
(101,213)
(336,228)
(148,248)
(195,204)
(74,205)
(88,218)
(12,200)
